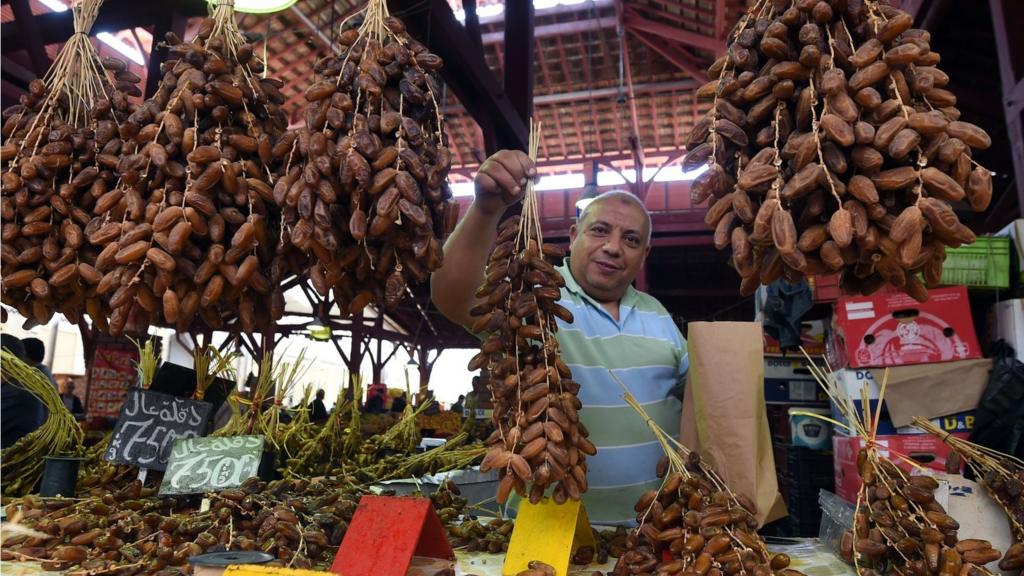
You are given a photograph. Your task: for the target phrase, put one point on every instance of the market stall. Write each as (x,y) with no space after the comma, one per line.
(854,425)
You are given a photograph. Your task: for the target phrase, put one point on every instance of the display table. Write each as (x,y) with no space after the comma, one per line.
(807,555)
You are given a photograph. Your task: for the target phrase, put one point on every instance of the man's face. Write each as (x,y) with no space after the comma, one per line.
(608,248)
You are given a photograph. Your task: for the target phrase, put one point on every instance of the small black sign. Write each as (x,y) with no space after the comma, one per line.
(149,424)
(208,464)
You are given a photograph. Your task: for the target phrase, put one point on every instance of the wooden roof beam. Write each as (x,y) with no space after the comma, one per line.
(15,72)
(557,10)
(661,14)
(465,70)
(557,29)
(56,27)
(519,42)
(677,56)
(36,48)
(638,24)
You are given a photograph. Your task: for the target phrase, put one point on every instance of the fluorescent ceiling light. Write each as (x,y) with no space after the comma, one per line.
(497,9)
(262,6)
(55,5)
(609,178)
(106,37)
(559,182)
(461,188)
(605,178)
(490,10)
(124,49)
(675,174)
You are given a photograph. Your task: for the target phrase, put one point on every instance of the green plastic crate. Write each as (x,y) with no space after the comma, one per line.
(984,264)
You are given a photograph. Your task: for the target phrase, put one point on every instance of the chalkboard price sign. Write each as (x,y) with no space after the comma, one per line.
(149,424)
(201,465)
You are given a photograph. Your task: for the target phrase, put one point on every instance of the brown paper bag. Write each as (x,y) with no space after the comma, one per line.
(933,390)
(724,411)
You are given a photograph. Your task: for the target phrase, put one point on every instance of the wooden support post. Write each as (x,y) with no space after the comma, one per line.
(24,19)
(519,56)
(1006,16)
(172,21)
(355,358)
(472,23)
(635,145)
(466,71)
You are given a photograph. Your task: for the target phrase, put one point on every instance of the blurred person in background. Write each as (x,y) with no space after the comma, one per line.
(20,411)
(35,353)
(317,409)
(71,401)
(457,407)
(398,404)
(434,407)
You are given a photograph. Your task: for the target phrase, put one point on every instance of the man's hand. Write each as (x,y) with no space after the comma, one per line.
(501,180)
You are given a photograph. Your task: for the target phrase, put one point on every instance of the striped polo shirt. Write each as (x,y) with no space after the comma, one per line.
(646,351)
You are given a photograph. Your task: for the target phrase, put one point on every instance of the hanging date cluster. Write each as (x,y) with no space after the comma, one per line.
(899,526)
(57,145)
(833,145)
(365,191)
(538,438)
(188,233)
(694,524)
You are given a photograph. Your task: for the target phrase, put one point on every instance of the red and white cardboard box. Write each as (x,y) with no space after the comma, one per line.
(925,449)
(896,330)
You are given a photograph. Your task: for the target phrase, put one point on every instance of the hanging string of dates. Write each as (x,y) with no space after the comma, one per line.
(54,173)
(832,145)
(898,525)
(195,237)
(364,191)
(539,441)
(1003,478)
(693,523)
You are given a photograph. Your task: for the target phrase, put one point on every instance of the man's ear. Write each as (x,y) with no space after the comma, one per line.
(573,231)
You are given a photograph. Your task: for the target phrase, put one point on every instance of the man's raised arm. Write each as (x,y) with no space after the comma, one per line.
(499,183)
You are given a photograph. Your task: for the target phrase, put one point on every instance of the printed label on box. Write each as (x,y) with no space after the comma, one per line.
(895,330)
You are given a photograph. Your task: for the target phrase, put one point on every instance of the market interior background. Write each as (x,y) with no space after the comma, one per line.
(612,81)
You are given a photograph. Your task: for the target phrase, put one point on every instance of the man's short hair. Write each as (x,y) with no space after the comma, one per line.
(34,349)
(625,197)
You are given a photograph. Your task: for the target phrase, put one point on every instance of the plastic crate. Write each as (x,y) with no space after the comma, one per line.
(984,264)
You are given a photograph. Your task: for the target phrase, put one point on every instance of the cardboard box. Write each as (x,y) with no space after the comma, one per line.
(825,288)
(851,381)
(812,339)
(788,380)
(1008,324)
(925,449)
(896,330)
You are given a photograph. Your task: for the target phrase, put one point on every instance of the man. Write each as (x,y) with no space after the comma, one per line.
(433,407)
(71,401)
(616,329)
(398,404)
(457,407)
(20,411)
(317,409)
(35,352)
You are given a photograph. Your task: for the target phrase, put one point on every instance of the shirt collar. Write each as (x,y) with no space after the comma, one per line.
(628,299)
